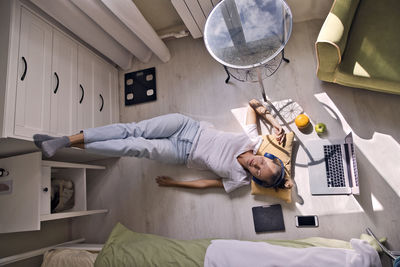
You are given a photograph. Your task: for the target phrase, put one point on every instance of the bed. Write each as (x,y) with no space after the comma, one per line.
(127,248)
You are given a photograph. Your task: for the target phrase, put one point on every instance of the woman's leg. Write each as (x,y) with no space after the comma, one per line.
(76,139)
(159,127)
(79,145)
(163,150)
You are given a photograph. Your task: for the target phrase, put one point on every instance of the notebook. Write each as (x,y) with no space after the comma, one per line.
(268,218)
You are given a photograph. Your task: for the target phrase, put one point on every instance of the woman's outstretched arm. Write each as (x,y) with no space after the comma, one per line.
(264,113)
(251,116)
(199,184)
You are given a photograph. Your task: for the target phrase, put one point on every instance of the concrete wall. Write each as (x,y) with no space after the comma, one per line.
(161,14)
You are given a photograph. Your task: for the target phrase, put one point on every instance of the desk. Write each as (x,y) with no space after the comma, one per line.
(248,37)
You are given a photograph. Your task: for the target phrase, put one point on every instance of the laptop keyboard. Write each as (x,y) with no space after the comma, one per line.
(334,166)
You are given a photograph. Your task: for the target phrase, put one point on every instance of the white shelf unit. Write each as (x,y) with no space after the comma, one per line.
(28,201)
(69,171)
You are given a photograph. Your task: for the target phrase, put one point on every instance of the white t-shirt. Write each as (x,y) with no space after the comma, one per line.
(218,151)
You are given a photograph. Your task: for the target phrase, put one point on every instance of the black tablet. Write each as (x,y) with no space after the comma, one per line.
(268,218)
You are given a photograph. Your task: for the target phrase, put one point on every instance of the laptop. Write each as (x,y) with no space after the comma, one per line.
(332,167)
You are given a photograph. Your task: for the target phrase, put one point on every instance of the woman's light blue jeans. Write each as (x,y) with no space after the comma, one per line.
(166,138)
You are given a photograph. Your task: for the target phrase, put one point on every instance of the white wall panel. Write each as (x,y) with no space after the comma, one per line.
(215,2)
(187,18)
(206,6)
(197,13)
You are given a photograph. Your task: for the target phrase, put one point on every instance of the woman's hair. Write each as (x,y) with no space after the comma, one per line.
(277,175)
(277,179)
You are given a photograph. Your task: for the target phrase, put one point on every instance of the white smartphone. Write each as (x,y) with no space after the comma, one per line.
(307,221)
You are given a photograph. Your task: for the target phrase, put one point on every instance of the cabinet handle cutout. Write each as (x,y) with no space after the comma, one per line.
(83,94)
(102,102)
(3,172)
(25,69)
(58,83)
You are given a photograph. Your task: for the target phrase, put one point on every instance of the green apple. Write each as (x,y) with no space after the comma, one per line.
(320,127)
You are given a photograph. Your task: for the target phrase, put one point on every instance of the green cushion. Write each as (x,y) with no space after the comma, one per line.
(338,23)
(284,153)
(368,56)
(127,248)
(372,55)
(333,36)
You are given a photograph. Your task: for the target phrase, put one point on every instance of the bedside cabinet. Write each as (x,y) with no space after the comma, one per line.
(25,191)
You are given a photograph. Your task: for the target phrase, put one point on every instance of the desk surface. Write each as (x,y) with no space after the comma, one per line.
(245,34)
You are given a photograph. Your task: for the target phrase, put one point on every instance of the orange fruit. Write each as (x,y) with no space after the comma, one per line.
(302,121)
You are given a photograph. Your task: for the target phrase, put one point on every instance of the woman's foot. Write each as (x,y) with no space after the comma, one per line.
(50,147)
(38,139)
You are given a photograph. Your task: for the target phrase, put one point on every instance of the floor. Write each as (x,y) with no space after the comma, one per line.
(192,83)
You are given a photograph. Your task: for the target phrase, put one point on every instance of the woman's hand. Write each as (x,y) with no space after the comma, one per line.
(288,183)
(264,113)
(165,181)
(279,134)
(258,107)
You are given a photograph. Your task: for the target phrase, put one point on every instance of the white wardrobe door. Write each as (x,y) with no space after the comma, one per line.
(103,82)
(64,82)
(86,61)
(34,80)
(19,207)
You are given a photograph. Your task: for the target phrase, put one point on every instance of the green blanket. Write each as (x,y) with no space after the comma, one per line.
(127,248)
